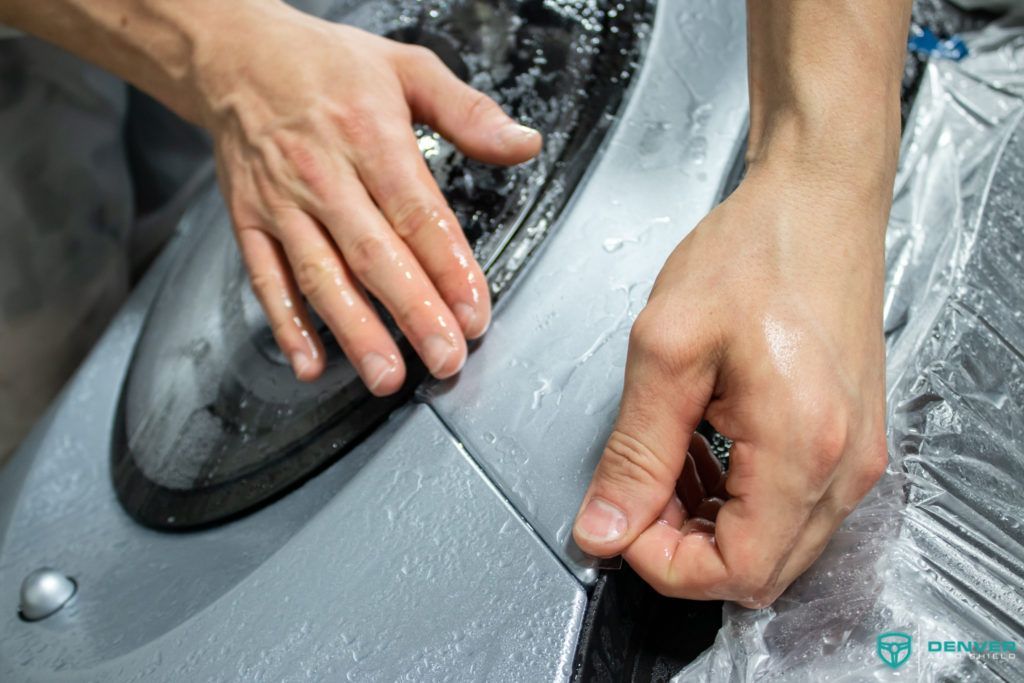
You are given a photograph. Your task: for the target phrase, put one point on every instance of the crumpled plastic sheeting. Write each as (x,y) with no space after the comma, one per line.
(937,549)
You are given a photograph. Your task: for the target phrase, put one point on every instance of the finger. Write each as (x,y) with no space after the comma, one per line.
(402,186)
(808,548)
(644,456)
(278,295)
(673,514)
(384,264)
(690,564)
(471,120)
(709,470)
(689,488)
(754,534)
(331,290)
(853,480)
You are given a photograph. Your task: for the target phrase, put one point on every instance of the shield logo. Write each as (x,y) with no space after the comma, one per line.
(894,648)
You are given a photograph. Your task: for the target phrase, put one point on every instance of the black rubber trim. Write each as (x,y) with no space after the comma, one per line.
(631,633)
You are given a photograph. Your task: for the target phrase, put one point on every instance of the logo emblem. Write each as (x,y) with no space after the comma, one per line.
(894,648)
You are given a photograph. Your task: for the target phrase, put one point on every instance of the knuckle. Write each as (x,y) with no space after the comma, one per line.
(453,282)
(875,464)
(358,124)
(651,341)
(368,250)
(479,107)
(645,337)
(265,286)
(828,440)
(282,328)
(405,312)
(245,219)
(410,314)
(412,216)
(831,436)
(422,56)
(627,461)
(878,461)
(754,584)
(830,444)
(314,273)
(761,600)
(308,168)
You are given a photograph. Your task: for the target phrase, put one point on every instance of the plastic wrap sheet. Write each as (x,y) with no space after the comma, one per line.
(936,551)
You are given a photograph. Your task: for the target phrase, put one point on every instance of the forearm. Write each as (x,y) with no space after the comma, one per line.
(824,91)
(161,46)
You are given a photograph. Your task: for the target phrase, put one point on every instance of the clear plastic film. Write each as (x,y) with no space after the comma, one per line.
(936,550)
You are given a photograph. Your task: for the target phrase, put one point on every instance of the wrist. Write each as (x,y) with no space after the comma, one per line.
(167,48)
(221,58)
(819,207)
(824,82)
(149,43)
(202,53)
(825,162)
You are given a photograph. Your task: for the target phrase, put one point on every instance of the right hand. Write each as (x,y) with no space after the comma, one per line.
(766,320)
(330,196)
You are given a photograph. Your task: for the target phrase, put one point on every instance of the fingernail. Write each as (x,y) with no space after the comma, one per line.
(466,316)
(515,133)
(375,368)
(300,363)
(436,350)
(601,521)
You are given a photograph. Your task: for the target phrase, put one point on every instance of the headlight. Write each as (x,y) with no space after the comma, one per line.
(213,422)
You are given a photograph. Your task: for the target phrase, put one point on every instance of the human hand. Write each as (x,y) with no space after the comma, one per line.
(330,195)
(766,320)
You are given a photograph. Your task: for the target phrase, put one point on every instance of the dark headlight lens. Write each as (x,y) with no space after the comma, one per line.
(213,422)
(213,418)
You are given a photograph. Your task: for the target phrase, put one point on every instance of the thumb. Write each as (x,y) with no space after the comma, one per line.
(471,120)
(644,456)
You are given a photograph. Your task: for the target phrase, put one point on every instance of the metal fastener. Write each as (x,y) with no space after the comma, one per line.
(43,592)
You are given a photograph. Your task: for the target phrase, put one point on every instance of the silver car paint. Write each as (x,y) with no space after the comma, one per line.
(403,565)
(401,560)
(537,400)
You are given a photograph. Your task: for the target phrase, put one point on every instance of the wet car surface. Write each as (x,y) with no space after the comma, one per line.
(400,559)
(422,538)
(212,422)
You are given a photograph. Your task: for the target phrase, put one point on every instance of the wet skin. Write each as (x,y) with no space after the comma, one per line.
(767,321)
(780,347)
(330,197)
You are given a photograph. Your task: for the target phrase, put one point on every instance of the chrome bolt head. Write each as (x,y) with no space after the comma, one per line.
(44,592)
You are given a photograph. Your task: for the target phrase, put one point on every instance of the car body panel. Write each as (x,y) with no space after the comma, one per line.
(536,401)
(412,556)
(400,561)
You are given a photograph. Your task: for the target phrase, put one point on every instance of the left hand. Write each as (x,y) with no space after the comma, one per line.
(331,198)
